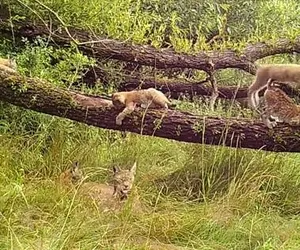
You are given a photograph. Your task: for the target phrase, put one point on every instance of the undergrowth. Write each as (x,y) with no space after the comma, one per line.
(201,197)
(193,196)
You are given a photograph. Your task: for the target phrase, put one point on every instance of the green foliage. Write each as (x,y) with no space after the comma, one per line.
(60,66)
(197,196)
(246,194)
(272,17)
(184,25)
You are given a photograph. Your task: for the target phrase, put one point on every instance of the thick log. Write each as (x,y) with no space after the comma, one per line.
(173,88)
(176,88)
(140,54)
(98,47)
(259,50)
(37,95)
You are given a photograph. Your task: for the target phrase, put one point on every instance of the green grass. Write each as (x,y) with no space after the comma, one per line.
(194,196)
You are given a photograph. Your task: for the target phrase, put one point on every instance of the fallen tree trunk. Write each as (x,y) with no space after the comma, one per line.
(175,88)
(98,47)
(37,95)
(144,55)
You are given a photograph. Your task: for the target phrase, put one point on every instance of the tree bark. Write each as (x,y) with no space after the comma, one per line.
(140,54)
(37,95)
(144,55)
(147,55)
(175,88)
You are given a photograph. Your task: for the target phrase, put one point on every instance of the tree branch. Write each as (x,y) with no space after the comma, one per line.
(37,95)
(269,48)
(144,55)
(95,46)
(176,89)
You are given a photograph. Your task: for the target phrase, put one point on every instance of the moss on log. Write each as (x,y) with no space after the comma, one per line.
(43,97)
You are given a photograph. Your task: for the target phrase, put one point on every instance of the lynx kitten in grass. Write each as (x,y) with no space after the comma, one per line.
(279,107)
(103,194)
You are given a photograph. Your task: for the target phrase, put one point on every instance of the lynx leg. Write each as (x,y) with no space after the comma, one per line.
(147,105)
(268,123)
(128,110)
(276,118)
(265,116)
(116,170)
(295,121)
(164,104)
(161,104)
(253,95)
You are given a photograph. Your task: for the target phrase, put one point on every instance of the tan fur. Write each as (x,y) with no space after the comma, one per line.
(8,65)
(279,107)
(103,194)
(150,244)
(151,98)
(287,73)
(71,177)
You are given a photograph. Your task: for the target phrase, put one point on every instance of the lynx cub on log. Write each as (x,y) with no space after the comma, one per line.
(151,98)
(8,65)
(279,107)
(122,184)
(287,73)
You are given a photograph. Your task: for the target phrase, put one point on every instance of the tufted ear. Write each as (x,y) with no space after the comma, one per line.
(116,169)
(133,168)
(75,165)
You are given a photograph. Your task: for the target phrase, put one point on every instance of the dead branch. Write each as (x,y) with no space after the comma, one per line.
(177,89)
(97,47)
(37,95)
(101,48)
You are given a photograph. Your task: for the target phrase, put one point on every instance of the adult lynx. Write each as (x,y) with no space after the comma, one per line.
(104,194)
(279,107)
(287,73)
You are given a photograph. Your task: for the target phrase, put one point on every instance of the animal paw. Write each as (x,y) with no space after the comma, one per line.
(272,124)
(275,118)
(118,121)
(268,123)
(294,122)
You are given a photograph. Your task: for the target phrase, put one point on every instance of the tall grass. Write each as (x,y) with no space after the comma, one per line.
(196,196)
(193,196)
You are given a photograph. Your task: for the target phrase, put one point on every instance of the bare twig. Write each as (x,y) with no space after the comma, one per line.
(59,19)
(12,26)
(215,92)
(37,14)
